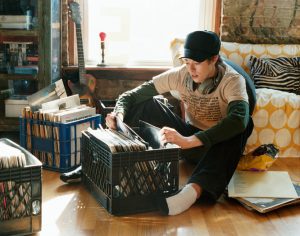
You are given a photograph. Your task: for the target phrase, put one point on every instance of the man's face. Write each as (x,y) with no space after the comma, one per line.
(200,71)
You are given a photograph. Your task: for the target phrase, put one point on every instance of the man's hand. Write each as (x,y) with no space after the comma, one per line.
(170,135)
(110,120)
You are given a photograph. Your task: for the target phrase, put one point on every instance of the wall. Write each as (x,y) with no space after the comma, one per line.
(111,82)
(249,21)
(261,21)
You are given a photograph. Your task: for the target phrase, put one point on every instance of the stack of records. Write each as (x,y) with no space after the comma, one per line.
(124,139)
(118,141)
(263,191)
(264,205)
(11,157)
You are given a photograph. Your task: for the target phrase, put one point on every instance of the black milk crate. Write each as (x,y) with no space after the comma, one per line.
(56,145)
(126,182)
(21,196)
(105,107)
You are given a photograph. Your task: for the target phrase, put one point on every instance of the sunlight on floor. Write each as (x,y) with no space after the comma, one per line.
(53,210)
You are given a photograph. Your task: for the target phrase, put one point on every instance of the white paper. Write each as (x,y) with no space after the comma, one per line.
(75,141)
(273,184)
(65,102)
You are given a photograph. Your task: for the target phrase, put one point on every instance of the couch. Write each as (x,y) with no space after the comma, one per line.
(276,115)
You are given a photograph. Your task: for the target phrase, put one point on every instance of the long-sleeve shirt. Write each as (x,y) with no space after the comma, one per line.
(219,115)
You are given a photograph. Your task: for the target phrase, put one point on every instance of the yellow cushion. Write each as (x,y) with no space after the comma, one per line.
(176,47)
(276,120)
(240,53)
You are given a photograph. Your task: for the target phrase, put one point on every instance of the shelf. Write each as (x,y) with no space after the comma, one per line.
(19,32)
(9,124)
(4,76)
(45,38)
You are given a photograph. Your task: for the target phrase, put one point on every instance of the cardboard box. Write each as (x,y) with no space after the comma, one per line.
(14,106)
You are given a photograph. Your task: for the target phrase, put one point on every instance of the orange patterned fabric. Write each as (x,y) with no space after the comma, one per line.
(276,120)
(240,53)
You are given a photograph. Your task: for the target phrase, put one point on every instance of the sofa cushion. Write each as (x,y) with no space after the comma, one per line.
(240,52)
(279,73)
(276,120)
(249,83)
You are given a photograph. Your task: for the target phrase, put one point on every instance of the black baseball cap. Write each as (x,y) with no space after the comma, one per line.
(201,45)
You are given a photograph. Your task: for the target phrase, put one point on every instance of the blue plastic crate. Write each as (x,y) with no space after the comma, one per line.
(56,145)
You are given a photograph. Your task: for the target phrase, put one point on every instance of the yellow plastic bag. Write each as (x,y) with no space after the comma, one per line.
(260,159)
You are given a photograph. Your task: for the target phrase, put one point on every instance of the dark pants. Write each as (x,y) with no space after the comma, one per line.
(214,166)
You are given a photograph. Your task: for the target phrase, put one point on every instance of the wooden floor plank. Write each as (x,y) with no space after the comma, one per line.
(72,210)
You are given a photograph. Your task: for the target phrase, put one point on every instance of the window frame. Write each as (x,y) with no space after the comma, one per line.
(69,57)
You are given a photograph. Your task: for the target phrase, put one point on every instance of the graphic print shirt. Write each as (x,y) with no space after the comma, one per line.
(203,110)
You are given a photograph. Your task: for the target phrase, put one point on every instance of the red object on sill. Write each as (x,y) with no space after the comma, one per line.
(102,36)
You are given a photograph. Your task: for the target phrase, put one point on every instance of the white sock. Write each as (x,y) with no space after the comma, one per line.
(182,201)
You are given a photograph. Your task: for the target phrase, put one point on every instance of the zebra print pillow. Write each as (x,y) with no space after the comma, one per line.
(276,73)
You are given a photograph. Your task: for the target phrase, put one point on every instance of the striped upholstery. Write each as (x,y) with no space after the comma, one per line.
(280,73)
(240,53)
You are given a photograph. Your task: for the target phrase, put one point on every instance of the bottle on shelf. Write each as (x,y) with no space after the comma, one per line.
(29,16)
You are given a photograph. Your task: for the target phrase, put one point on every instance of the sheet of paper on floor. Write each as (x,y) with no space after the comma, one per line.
(276,184)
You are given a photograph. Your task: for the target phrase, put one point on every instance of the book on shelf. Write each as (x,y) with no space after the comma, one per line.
(12,18)
(26,70)
(264,205)
(6,93)
(17,42)
(13,25)
(32,59)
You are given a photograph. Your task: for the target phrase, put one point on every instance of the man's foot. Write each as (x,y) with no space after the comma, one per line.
(177,203)
(73,176)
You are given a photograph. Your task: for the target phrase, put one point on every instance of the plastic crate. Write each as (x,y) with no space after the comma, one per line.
(21,196)
(105,107)
(125,183)
(56,145)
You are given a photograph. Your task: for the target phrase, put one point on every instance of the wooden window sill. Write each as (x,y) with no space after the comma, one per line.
(116,72)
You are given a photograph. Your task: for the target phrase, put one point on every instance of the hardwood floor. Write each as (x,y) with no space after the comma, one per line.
(71,210)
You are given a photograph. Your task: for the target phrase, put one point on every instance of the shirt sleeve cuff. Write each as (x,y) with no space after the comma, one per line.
(204,139)
(119,110)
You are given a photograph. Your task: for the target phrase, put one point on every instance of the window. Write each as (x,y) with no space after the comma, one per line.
(139,32)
